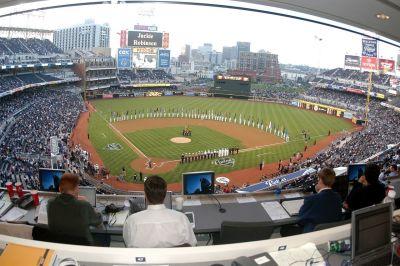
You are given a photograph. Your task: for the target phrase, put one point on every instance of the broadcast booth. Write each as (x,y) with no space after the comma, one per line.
(228,221)
(242,228)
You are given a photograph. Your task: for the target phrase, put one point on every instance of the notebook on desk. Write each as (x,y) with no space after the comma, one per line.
(13,215)
(274,210)
(292,206)
(41,212)
(32,256)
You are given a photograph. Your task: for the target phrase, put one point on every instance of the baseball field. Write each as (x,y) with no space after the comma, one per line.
(130,132)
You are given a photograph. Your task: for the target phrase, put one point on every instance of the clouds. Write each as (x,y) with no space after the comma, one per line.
(293,40)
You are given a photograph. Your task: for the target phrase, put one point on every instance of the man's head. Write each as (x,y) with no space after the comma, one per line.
(371,176)
(326,178)
(393,168)
(69,184)
(155,189)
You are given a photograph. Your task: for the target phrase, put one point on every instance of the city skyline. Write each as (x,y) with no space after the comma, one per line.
(295,42)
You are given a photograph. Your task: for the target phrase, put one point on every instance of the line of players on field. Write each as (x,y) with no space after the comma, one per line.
(209,154)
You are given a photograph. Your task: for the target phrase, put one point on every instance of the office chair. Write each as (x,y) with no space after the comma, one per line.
(44,234)
(324,226)
(237,232)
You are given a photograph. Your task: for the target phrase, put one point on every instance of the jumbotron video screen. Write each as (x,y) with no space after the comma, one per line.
(239,86)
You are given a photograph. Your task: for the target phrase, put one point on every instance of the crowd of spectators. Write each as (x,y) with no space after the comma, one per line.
(11,46)
(335,98)
(10,82)
(276,91)
(380,131)
(144,76)
(357,75)
(25,143)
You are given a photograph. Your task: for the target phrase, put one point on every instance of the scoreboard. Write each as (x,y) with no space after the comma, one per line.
(225,85)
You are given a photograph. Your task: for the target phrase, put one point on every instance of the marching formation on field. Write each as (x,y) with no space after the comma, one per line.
(209,154)
(279,131)
(186,132)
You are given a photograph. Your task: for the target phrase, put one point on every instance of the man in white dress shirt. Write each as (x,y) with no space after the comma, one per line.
(157,227)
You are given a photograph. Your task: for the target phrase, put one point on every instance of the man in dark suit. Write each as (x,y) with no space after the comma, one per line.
(323,207)
(367,191)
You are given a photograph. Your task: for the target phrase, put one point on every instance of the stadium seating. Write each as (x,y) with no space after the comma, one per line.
(14,46)
(24,143)
(354,75)
(12,82)
(144,76)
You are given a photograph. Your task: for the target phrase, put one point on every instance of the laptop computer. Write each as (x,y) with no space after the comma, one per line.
(89,193)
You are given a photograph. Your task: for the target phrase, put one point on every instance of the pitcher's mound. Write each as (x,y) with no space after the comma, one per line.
(180,140)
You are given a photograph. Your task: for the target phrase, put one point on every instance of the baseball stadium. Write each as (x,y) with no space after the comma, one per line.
(150,130)
(219,132)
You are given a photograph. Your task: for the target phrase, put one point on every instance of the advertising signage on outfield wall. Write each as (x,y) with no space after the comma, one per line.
(330,110)
(145,28)
(122,41)
(140,60)
(165,40)
(164,58)
(144,50)
(145,39)
(369,48)
(352,61)
(370,63)
(386,65)
(124,58)
(398,62)
(236,78)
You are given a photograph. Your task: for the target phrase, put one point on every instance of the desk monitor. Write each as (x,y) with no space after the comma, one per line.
(198,183)
(355,171)
(89,193)
(371,230)
(49,179)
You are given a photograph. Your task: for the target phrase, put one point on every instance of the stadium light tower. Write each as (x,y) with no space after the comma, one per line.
(318,40)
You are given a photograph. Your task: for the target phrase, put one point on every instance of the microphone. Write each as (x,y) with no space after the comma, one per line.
(220,209)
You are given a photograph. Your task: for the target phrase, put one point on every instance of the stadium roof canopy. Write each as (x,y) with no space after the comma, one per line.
(378,16)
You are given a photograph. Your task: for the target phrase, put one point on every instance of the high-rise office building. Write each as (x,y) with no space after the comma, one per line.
(242,47)
(216,58)
(82,37)
(263,63)
(229,53)
(184,57)
(205,50)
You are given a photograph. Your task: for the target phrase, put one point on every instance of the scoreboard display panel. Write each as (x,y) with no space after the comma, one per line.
(232,85)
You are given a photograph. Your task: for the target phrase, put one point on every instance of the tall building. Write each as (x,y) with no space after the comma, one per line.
(184,57)
(82,37)
(206,50)
(216,58)
(263,63)
(197,56)
(187,51)
(242,47)
(229,53)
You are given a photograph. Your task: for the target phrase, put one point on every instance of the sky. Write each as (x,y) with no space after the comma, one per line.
(293,40)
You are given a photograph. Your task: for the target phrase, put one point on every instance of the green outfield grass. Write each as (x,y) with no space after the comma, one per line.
(156,142)
(294,119)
